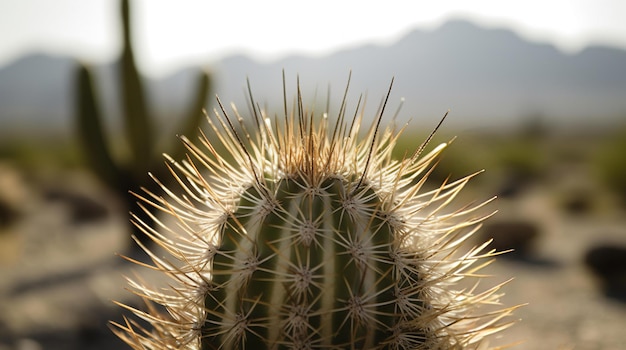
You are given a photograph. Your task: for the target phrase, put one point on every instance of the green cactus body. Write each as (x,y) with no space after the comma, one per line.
(309,257)
(310,236)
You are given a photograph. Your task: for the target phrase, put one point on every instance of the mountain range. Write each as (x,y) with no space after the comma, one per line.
(488,78)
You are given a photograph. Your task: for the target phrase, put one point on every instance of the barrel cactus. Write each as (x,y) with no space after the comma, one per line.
(303,232)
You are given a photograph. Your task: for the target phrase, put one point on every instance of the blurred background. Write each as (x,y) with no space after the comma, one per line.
(92,92)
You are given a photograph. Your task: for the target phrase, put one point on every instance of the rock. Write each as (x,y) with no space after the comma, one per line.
(8,215)
(520,236)
(28,344)
(608,264)
(15,195)
(82,208)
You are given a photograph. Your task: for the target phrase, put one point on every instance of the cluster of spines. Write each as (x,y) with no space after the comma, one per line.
(310,236)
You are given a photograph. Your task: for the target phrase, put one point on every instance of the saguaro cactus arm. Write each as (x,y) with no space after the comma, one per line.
(189,125)
(138,126)
(90,129)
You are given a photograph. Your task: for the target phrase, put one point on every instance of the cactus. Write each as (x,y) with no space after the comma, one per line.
(139,128)
(307,234)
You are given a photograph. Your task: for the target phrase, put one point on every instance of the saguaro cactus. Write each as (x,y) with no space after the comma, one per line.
(138,125)
(308,235)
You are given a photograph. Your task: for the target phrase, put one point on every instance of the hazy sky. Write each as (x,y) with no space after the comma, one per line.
(169,34)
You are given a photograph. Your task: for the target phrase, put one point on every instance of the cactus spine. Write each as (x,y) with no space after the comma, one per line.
(311,237)
(138,125)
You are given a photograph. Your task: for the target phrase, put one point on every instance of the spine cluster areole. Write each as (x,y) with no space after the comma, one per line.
(302,232)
